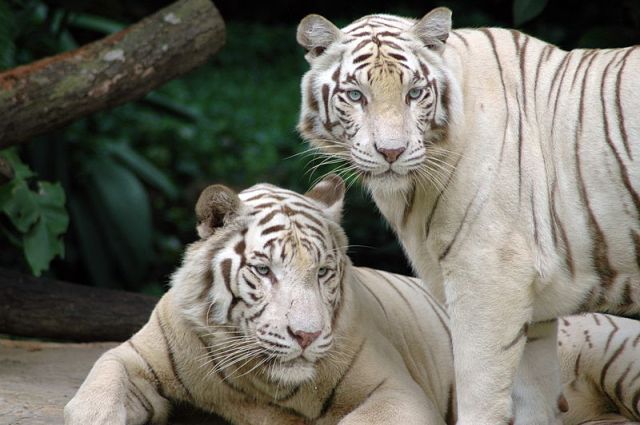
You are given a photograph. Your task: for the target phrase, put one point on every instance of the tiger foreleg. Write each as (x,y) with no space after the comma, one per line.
(395,404)
(490,305)
(116,392)
(537,385)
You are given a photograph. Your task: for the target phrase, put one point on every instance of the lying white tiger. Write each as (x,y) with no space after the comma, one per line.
(267,322)
(508,169)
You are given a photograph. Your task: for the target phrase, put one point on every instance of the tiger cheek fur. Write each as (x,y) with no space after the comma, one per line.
(374,104)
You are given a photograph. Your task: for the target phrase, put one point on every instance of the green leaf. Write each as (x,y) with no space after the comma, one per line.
(167,105)
(21,207)
(40,246)
(92,245)
(20,169)
(51,201)
(41,241)
(7,44)
(121,204)
(526,10)
(601,37)
(143,168)
(95,23)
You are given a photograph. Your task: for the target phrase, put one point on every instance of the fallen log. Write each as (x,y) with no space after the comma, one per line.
(54,91)
(45,308)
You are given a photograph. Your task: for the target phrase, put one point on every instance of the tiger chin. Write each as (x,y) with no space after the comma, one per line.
(507,167)
(267,322)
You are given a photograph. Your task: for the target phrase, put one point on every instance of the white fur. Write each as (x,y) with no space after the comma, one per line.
(513,239)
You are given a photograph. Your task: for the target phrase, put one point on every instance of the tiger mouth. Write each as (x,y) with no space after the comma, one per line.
(388,174)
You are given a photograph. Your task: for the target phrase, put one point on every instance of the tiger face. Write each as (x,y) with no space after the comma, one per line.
(277,261)
(376,95)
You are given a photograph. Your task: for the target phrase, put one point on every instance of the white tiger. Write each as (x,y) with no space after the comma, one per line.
(267,322)
(506,166)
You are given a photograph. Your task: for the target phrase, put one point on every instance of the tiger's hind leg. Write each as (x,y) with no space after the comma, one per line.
(610,419)
(537,385)
(600,359)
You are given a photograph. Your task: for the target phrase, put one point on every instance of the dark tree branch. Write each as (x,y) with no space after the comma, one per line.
(44,308)
(54,91)
(6,171)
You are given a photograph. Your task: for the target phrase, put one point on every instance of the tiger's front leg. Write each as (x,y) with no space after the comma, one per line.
(390,403)
(116,392)
(490,303)
(537,385)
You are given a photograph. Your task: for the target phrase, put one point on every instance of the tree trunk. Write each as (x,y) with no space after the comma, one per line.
(44,308)
(54,91)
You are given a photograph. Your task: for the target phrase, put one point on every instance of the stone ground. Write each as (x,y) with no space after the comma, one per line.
(38,378)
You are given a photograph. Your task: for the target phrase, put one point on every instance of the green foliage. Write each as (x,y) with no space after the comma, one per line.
(131,175)
(38,217)
(526,10)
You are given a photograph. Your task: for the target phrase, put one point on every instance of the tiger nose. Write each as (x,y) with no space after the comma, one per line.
(391,155)
(303,338)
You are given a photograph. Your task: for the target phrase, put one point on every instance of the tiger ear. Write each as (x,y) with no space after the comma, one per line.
(330,193)
(215,206)
(315,34)
(434,28)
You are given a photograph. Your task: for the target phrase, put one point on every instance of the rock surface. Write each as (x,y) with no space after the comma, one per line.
(38,378)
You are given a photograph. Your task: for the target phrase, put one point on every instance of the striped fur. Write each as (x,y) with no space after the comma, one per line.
(223,337)
(387,346)
(507,168)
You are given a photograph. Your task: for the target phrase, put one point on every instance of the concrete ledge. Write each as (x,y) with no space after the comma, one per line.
(38,378)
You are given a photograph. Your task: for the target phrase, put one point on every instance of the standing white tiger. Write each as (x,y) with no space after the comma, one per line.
(508,169)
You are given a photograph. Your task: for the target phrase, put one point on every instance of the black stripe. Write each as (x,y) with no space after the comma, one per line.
(437,308)
(624,174)
(272,229)
(611,334)
(446,251)
(328,402)
(156,382)
(555,103)
(172,359)
(619,111)
(563,233)
(522,334)
(437,201)
(492,40)
(464,41)
(362,57)
(605,369)
(600,249)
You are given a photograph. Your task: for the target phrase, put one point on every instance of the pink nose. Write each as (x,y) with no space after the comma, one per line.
(304,338)
(391,155)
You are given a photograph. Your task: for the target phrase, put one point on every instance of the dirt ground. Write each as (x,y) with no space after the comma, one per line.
(37,379)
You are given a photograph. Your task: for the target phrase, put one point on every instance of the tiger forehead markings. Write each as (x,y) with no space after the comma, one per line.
(372,64)
(508,169)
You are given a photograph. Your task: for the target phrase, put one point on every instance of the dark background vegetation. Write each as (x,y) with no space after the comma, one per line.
(131,175)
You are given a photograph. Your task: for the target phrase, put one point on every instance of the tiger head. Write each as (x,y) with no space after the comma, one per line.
(263,286)
(377,94)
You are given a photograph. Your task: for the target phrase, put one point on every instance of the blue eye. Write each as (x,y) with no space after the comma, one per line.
(415,93)
(262,270)
(354,95)
(322,271)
